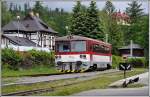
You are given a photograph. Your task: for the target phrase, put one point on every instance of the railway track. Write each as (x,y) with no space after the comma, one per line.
(59,73)
(44,90)
(54,77)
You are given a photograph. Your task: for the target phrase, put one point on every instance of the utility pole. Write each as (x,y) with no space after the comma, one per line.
(131,48)
(18,18)
(106,39)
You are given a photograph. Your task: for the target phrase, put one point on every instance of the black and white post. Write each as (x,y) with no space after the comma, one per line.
(131,48)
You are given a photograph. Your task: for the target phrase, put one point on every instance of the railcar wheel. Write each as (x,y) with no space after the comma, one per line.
(94,66)
(108,66)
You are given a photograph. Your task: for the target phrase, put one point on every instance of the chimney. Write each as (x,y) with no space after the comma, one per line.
(37,15)
(31,13)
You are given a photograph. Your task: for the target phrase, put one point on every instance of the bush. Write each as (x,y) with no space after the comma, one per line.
(26,60)
(42,57)
(10,59)
(116,60)
(138,62)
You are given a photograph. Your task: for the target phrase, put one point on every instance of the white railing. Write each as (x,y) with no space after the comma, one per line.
(25,48)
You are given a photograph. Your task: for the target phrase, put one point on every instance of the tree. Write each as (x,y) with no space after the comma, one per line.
(19,8)
(140,31)
(78,19)
(110,27)
(11,7)
(115,36)
(109,7)
(26,8)
(134,11)
(92,22)
(6,16)
(38,8)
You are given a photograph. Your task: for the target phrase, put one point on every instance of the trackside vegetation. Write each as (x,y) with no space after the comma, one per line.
(99,82)
(16,63)
(135,62)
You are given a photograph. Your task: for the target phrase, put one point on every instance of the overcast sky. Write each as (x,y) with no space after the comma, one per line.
(67,5)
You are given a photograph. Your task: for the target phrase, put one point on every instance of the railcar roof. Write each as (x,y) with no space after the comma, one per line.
(76,37)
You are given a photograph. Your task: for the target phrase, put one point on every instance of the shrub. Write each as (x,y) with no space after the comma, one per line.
(137,62)
(26,60)
(42,57)
(10,59)
(116,60)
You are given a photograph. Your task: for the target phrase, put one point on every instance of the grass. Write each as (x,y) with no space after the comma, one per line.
(102,81)
(135,85)
(97,83)
(33,71)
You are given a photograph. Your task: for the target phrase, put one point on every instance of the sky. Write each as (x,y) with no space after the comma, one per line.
(67,5)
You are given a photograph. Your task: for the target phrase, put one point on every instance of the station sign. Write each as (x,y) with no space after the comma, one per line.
(124,66)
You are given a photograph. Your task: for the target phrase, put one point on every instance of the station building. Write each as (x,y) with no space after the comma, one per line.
(28,33)
(137,50)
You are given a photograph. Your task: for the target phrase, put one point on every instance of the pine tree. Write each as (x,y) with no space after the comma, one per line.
(6,16)
(19,8)
(92,22)
(77,26)
(109,7)
(115,36)
(134,11)
(26,8)
(11,7)
(38,8)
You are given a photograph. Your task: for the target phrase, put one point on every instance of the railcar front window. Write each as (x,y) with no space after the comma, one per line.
(63,47)
(78,46)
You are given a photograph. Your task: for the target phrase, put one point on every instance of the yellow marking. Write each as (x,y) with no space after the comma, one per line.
(68,70)
(82,70)
(72,70)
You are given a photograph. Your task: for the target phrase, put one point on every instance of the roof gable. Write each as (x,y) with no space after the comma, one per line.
(20,41)
(134,46)
(28,24)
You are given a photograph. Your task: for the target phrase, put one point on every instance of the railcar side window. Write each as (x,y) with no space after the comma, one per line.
(100,49)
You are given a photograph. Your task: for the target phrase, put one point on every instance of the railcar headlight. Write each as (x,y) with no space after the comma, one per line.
(58,57)
(83,56)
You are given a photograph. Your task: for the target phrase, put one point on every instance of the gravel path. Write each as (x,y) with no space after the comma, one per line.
(143,91)
(116,92)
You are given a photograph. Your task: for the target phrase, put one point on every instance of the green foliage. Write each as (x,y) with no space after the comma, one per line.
(109,26)
(134,11)
(41,57)
(116,60)
(109,7)
(85,21)
(11,59)
(7,16)
(92,22)
(38,8)
(26,60)
(42,69)
(138,62)
(138,32)
(78,20)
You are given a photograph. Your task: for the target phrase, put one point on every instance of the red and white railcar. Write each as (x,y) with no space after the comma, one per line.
(77,53)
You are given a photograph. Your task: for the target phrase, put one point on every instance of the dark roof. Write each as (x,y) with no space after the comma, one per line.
(20,41)
(75,37)
(13,26)
(28,24)
(134,46)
